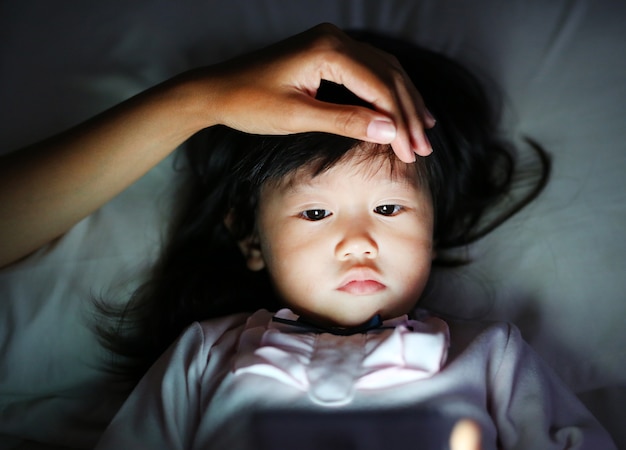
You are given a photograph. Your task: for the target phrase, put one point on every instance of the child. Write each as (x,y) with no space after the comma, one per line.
(338,236)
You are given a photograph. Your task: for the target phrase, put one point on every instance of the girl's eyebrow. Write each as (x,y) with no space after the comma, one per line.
(309,186)
(293,189)
(293,184)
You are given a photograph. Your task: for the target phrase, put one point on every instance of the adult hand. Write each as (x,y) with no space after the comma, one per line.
(272,91)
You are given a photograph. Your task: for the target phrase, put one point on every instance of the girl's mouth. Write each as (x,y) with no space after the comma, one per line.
(362,287)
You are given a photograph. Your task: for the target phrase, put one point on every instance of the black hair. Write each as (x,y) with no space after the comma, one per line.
(202,273)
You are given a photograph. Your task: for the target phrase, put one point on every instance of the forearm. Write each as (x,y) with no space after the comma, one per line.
(47,188)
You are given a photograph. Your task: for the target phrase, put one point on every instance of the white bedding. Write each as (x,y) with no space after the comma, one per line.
(557,269)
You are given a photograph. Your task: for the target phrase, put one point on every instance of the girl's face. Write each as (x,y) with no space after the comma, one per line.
(350,243)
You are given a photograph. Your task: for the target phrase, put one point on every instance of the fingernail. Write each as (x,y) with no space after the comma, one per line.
(427,149)
(429,146)
(381,131)
(431,119)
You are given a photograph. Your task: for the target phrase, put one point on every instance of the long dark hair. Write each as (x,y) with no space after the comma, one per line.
(202,274)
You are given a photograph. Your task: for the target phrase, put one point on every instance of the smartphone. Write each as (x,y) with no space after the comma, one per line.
(423,429)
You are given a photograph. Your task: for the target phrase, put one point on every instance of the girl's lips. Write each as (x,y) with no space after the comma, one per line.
(362,287)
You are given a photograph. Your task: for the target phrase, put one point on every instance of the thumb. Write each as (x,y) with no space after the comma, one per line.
(465,436)
(353,121)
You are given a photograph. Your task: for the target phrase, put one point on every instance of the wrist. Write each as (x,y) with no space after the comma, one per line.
(193,94)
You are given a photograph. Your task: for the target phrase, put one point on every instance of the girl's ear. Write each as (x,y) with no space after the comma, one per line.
(251,250)
(249,246)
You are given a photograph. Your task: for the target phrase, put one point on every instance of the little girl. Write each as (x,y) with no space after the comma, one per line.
(337,237)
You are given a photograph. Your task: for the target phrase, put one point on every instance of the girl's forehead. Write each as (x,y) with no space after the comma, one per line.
(378,165)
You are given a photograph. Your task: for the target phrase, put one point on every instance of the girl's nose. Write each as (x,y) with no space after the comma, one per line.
(356,243)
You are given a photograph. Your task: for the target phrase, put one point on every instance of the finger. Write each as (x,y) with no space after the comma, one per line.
(392,94)
(391,111)
(413,117)
(414,112)
(465,436)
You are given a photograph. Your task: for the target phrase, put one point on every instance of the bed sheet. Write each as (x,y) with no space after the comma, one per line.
(556,269)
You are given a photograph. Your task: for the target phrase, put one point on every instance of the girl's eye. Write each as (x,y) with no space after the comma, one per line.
(315,214)
(388,210)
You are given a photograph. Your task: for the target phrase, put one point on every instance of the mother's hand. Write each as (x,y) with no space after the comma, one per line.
(272,91)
